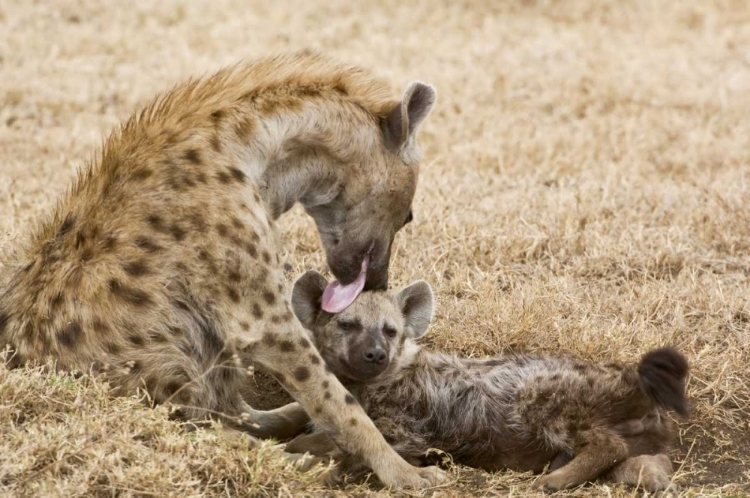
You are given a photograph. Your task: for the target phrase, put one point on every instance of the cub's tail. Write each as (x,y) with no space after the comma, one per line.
(661,375)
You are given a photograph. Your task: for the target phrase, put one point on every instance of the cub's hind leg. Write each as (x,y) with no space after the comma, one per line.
(594,452)
(648,471)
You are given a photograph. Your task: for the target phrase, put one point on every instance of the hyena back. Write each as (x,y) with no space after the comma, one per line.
(159,269)
(519,412)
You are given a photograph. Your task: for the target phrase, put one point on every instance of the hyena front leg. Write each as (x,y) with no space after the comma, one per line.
(285,351)
(594,452)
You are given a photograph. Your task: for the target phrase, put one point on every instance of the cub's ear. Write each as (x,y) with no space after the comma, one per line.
(404,119)
(416,302)
(306,297)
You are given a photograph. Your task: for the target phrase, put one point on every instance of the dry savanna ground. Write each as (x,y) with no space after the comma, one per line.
(585,190)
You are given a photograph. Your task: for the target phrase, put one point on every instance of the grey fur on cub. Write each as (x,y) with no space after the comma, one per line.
(521,412)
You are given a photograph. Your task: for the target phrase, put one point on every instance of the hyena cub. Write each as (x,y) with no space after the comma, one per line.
(517,412)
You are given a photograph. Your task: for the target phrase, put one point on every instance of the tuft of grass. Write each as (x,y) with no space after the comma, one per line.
(584,190)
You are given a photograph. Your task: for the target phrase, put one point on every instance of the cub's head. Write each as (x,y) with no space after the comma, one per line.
(373,336)
(378,160)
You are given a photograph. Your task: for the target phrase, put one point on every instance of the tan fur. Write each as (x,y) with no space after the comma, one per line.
(159,269)
(520,412)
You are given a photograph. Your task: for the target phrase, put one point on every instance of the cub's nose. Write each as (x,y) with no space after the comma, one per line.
(375,355)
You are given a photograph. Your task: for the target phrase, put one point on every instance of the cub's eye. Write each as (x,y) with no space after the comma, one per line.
(349,326)
(390,331)
(409,218)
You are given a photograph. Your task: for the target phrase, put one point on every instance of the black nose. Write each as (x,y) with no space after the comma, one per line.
(375,355)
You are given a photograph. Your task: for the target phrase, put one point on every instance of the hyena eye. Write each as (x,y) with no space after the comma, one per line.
(390,331)
(349,326)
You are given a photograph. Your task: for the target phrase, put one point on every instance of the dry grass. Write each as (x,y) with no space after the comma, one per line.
(585,189)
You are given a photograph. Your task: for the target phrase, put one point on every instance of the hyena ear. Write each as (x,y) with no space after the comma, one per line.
(417,303)
(306,297)
(405,117)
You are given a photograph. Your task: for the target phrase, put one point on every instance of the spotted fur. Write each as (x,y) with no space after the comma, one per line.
(521,412)
(159,269)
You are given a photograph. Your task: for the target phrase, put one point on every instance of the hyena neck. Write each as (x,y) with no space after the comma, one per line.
(301,155)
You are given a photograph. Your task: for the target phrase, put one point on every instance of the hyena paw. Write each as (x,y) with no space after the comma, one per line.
(552,482)
(417,478)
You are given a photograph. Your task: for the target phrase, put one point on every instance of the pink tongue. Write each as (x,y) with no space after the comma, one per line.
(337,297)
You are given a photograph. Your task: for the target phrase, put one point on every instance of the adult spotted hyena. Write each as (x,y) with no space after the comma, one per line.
(519,412)
(159,268)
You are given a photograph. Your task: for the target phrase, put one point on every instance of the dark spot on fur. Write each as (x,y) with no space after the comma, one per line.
(238,175)
(556,376)
(269,297)
(326,384)
(135,340)
(244,129)
(156,222)
(147,244)
(301,374)
(80,239)
(222,229)
(234,276)
(257,312)
(193,156)
(579,367)
(340,88)
(67,224)
(141,174)
(109,243)
(99,326)
(349,399)
(177,232)
(175,331)
(304,343)
(326,395)
(237,223)
(268,339)
(203,255)
(70,334)
(112,348)
(233,294)
(352,421)
(266,257)
(181,305)
(245,326)
(217,116)
(286,346)
(3,322)
(56,301)
(136,268)
(87,254)
(215,142)
(223,177)
(155,336)
(251,250)
(314,359)
(129,294)
(201,177)
(318,409)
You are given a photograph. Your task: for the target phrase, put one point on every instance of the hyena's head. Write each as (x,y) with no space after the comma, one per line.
(374,199)
(372,337)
